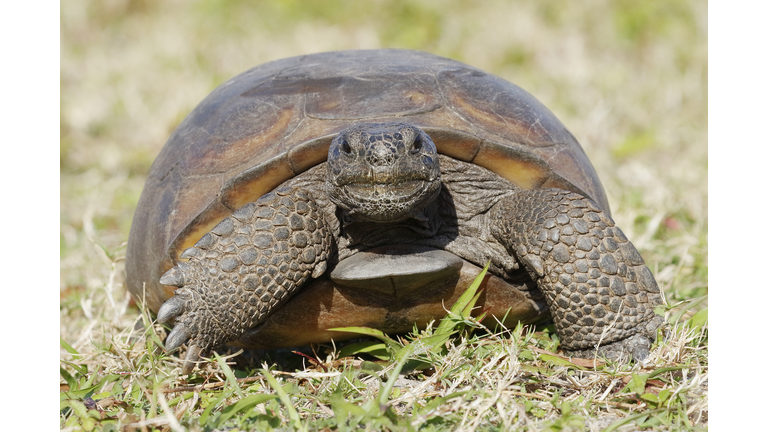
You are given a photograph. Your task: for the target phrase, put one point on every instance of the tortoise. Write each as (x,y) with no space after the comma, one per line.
(368,188)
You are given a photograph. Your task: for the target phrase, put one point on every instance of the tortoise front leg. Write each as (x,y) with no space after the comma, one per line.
(594,280)
(247,266)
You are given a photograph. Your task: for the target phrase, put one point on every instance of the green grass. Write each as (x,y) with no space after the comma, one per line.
(457,373)
(628,79)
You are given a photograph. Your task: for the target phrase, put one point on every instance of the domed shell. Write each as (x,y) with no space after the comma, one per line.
(277,120)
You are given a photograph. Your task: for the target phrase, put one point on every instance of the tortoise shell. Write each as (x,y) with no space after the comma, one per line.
(278,119)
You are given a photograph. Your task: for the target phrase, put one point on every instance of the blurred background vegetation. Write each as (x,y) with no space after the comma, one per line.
(628,78)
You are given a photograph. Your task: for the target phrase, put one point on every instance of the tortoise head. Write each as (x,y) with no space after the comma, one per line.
(382,172)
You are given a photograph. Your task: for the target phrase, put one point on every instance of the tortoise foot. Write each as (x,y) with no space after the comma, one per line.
(194,323)
(594,280)
(242,270)
(636,347)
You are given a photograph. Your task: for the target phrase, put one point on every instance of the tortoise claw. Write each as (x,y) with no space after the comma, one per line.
(170,309)
(178,336)
(173,277)
(193,355)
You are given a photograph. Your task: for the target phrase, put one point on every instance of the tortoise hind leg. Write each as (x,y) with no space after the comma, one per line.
(596,283)
(247,266)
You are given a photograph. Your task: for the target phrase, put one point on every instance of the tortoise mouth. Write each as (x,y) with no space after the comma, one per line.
(405,191)
(384,202)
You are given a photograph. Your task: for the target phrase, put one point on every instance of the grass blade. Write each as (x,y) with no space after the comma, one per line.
(207,413)
(387,390)
(244,405)
(463,306)
(69,348)
(617,424)
(292,413)
(229,376)
(674,318)
(367,331)
(372,348)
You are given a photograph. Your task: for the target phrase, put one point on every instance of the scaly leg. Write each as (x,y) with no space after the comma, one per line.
(243,269)
(594,280)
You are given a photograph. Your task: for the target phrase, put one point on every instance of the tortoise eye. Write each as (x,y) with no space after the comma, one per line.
(417,144)
(345,147)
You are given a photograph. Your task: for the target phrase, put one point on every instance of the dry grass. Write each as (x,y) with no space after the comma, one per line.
(627,78)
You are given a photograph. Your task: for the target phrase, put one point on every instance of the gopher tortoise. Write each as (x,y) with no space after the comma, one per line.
(368,188)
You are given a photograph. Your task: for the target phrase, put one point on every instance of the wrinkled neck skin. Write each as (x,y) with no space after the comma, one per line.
(383,173)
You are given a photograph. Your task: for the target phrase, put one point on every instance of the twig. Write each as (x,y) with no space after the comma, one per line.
(211,386)
(547,398)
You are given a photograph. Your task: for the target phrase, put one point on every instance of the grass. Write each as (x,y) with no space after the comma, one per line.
(628,79)
(457,374)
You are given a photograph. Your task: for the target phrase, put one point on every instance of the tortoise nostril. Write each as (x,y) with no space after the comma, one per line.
(345,147)
(417,144)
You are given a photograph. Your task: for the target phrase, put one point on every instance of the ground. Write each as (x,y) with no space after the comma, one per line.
(629,79)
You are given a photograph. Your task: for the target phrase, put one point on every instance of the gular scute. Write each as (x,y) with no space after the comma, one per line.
(397,270)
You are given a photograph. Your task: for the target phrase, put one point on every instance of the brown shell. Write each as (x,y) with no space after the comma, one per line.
(277,120)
